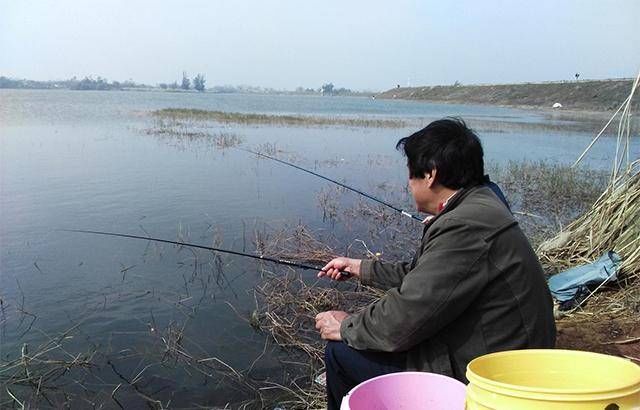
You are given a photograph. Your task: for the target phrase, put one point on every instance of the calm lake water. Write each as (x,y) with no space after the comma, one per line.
(81,160)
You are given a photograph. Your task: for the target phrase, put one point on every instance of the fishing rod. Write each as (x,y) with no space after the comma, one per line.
(209,248)
(403,212)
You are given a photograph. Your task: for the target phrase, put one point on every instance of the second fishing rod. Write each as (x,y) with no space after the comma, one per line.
(380,201)
(285,262)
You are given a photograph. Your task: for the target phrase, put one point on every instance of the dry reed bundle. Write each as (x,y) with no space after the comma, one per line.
(613,221)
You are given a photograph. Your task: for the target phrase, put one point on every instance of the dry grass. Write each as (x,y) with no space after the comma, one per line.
(37,374)
(227,140)
(183,134)
(179,121)
(176,129)
(297,243)
(184,114)
(59,373)
(52,375)
(546,197)
(288,308)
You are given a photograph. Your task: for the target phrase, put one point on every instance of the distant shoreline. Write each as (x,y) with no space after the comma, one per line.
(594,99)
(363,94)
(102,84)
(584,95)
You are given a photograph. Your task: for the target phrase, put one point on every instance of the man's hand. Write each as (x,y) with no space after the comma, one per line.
(328,323)
(342,264)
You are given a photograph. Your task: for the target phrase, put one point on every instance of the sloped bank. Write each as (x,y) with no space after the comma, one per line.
(584,95)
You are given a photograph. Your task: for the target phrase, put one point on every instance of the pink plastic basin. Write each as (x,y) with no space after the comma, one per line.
(407,390)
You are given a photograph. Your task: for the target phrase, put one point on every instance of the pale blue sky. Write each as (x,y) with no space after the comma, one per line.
(355,44)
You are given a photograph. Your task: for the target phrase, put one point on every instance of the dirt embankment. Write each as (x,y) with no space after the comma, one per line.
(601,95)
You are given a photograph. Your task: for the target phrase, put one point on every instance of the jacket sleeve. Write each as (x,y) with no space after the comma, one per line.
(383,275)
(446,279)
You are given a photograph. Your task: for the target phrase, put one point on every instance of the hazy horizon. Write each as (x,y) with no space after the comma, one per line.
(293,89)
(361,45)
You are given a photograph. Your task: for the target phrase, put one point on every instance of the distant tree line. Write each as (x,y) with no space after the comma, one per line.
(87,83)
(330,89)
(169,86)
(198,83)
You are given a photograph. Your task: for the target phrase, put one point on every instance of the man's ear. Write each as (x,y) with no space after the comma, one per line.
(430,177)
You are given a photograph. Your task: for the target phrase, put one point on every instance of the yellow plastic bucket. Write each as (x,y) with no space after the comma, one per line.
(552,379)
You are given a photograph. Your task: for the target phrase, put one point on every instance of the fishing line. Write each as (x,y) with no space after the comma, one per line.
(209,248)
(380,201)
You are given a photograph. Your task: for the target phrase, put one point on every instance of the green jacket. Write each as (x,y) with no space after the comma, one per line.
(474,287)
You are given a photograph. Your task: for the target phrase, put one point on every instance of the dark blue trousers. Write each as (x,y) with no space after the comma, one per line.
(347,367)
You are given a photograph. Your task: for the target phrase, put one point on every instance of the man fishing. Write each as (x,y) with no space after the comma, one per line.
(474,286)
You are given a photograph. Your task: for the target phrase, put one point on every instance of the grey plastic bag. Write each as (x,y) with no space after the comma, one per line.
(567,285)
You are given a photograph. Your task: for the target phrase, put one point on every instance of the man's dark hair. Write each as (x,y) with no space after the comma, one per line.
(449,146)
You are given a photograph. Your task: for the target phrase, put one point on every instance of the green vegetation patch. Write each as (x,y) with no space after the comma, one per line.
(191,114)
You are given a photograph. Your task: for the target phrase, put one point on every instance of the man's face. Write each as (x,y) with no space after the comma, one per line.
(422,194)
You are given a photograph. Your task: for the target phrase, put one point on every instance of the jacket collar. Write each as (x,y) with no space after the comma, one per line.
(451,204)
